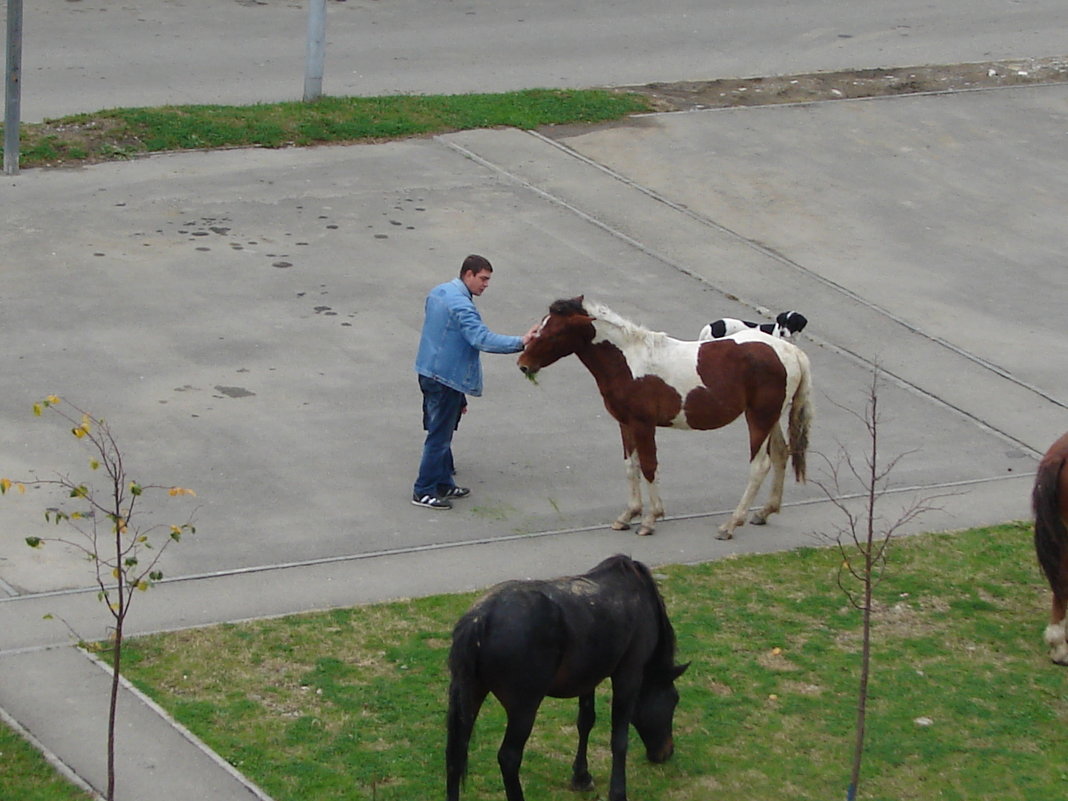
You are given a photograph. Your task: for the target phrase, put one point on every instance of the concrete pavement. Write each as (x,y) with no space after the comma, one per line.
(247,320)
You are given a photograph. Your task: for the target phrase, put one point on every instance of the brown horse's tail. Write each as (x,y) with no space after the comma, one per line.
(1051,537)
(800,417)
(466,695)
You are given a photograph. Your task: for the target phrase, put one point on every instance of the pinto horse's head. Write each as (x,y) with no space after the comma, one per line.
(564,330)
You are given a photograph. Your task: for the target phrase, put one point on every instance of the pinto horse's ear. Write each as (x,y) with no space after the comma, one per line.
(678,670)
(580,301)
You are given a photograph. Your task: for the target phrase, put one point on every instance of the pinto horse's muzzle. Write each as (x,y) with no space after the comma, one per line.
(530,372)
(523,361)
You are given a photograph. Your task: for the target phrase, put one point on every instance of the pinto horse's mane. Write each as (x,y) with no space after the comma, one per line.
(629,331)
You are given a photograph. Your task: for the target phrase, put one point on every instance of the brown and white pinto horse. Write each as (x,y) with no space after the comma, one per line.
(648,379)
(1050,503)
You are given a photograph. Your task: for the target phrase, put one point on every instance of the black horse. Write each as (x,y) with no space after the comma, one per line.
(525,640)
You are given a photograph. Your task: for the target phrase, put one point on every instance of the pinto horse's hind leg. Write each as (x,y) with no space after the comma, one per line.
(758,470)
(777,452)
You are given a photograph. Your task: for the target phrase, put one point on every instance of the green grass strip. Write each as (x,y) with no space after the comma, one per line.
(129,132)
(25,775)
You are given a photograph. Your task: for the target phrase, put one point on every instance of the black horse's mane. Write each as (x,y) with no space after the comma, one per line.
(664,658)
(624,564)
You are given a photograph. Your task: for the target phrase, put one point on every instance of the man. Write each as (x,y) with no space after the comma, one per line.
(450,368)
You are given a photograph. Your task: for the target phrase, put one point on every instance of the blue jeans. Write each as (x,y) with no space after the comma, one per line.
(442,407)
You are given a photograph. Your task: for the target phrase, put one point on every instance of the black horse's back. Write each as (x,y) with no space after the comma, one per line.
(516,628)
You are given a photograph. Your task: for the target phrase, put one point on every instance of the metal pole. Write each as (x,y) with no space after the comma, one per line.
(13,87)
(315,52)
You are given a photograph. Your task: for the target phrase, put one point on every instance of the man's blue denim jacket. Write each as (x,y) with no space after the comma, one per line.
(453,335)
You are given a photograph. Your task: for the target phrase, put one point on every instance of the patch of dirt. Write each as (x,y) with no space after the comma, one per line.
(850,84)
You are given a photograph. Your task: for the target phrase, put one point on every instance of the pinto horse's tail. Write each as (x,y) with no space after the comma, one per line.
(800,417)
(1051,536)
(466,694)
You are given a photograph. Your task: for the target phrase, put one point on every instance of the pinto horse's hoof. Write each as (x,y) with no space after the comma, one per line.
(645,531)
(724,533)
(619,526)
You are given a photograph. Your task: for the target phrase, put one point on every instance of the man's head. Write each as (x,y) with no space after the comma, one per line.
(476,273)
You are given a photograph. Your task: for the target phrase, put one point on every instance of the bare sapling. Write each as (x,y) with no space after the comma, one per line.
(864,541)
(103,522)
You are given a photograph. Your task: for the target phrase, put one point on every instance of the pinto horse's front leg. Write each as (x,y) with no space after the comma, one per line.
(634,504)
(656,507)
(639,445)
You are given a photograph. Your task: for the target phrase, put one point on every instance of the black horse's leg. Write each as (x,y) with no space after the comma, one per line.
(580,770)
(510,754)
(624,698)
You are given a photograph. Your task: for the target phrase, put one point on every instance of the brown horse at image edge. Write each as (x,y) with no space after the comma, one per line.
(1049,500)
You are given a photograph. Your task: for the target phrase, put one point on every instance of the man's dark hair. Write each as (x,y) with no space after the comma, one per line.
(475,264)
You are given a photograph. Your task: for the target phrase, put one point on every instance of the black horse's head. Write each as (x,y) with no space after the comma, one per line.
(655,712)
